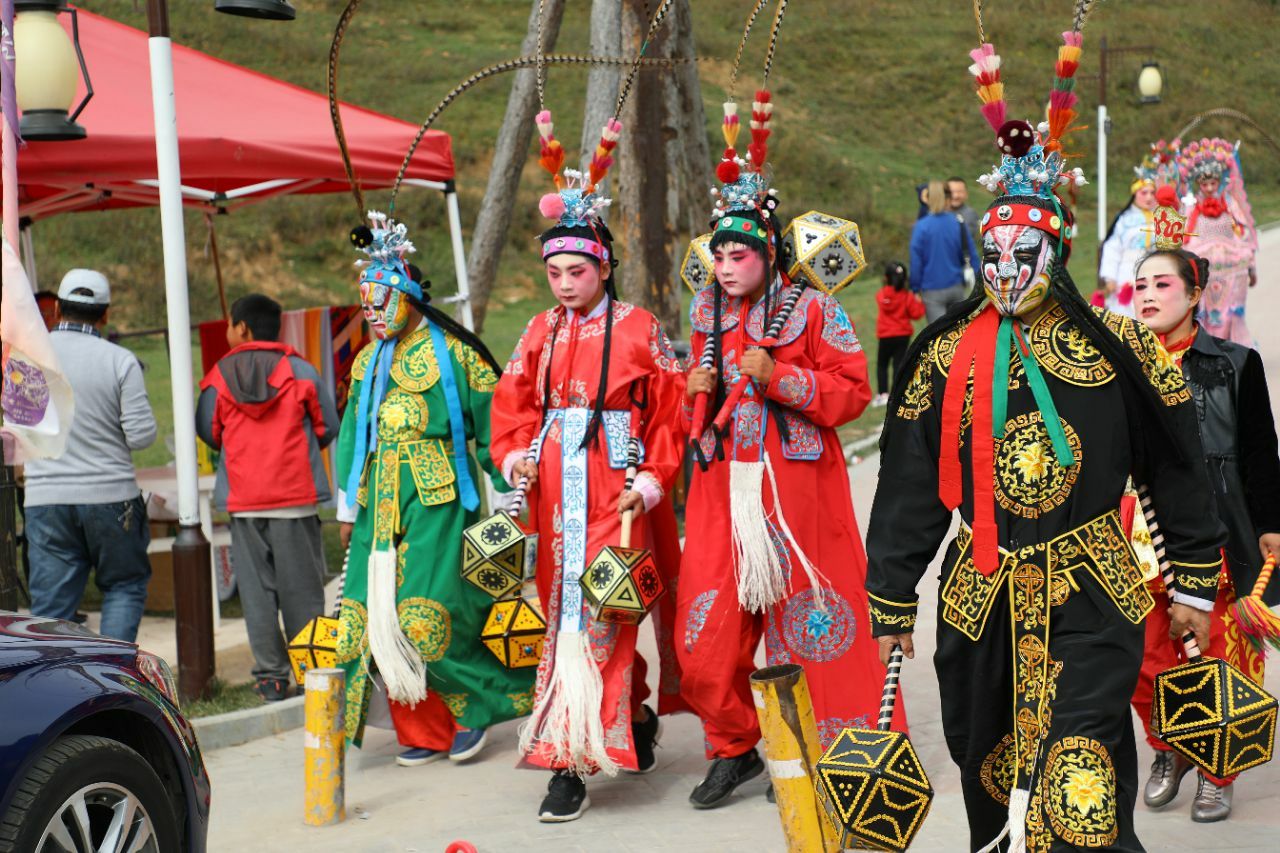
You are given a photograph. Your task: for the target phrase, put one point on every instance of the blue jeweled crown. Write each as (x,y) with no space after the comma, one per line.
(1024,169)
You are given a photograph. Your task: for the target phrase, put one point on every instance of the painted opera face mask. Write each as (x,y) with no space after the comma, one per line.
(386,308)
(1015,268)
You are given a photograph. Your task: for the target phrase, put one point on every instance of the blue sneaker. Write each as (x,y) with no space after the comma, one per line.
(418,755)
(467,743)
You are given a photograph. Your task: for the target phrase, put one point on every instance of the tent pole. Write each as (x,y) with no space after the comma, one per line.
(29,255)
(459,254)
(217,266)
(192,562)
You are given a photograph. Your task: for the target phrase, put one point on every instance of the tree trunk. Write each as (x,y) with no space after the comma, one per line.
(509,156)
(659,183)
(602,80)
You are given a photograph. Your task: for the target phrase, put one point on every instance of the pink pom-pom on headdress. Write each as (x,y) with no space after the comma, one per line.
(551,206)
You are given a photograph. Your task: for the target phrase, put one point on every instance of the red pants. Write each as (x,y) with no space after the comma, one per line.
(427,725)
(1163,652)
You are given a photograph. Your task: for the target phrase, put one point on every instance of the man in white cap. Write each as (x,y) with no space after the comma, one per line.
(84,510)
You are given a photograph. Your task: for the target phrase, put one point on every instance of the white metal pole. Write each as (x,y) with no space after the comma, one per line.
(175,280)
(459,257)
(1102,175)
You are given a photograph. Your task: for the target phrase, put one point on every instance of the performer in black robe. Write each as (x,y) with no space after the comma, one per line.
(1028,410)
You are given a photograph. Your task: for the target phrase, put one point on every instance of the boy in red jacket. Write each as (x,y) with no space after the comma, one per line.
(898,308)
(266,409)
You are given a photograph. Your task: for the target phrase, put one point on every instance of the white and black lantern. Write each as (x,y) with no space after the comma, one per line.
(47,68)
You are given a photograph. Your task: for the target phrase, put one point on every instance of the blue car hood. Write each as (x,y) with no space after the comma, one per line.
(27,640)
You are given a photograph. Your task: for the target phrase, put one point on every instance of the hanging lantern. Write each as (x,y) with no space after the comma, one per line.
(266,10)
(47,68)
(1150,83)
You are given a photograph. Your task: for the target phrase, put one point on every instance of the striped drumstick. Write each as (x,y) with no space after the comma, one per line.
(517,501)
(707,361)
(770,340)
(889,698)
(633,462)
(1166,568)
(342,584)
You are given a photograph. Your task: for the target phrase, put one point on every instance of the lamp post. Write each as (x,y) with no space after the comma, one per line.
(1150,82)
(192,564)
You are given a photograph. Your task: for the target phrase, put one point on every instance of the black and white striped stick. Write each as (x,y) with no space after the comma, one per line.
(342,583)
(633,462)
(517,502)
(889,698)
(1166,568)
(768,341)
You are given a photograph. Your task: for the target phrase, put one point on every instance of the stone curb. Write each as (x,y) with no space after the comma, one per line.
(236,727)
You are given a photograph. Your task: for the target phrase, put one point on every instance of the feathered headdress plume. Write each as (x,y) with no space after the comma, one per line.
(986,72)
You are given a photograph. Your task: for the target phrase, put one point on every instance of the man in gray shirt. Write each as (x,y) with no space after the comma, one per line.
(84,510)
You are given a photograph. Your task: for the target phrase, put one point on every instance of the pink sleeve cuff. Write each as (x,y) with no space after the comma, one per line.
(509,464)
(650,491)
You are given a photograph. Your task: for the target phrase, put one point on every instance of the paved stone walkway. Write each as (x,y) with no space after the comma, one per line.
(257,787)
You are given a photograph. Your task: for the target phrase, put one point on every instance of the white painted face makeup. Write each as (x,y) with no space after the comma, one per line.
(1015,268)
(1161,297)
(740,270)
(576,281)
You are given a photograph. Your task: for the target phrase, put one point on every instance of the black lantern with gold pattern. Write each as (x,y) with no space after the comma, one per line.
(871,782)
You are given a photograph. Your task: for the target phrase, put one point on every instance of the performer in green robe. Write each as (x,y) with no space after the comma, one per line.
(409,486)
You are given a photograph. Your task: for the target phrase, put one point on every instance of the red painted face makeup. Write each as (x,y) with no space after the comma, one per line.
(739,269)
(575,281)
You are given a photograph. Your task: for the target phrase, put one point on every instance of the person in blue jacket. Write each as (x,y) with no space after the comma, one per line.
(944,261)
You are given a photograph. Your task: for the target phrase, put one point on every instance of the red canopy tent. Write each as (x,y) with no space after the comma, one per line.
(242,137)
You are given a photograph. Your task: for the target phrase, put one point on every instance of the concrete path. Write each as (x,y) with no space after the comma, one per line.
(257,787)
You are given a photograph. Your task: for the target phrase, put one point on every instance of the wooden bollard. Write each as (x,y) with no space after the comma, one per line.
(325,733)
(792,751)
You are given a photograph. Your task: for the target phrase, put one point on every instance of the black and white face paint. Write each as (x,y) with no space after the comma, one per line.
(1015,267)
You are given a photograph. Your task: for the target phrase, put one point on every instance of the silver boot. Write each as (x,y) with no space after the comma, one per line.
(1166,776)
(1211,803)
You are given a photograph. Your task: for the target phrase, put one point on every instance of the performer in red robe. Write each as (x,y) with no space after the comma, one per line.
(772,545)
(584,377)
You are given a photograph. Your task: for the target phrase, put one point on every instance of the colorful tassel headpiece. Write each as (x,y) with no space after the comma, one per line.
(576,201)
(386,245)
(1206,158)
(744,182)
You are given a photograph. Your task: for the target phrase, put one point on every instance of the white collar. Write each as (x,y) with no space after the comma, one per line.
(595,312)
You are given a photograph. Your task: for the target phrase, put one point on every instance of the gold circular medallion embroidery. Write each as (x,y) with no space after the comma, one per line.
(427,625)
(402,417)
(1080,792)
(1064,351)
(997,771)
(1029,480)
(352,639)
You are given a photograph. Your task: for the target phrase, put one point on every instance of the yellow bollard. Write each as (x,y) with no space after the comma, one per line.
(324,799)
(792,751)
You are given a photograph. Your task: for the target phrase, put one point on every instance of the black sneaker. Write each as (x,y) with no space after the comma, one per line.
(725,775)
(645,737)
(566,798)
(272,689)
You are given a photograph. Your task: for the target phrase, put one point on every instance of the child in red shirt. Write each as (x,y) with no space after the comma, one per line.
(898,308)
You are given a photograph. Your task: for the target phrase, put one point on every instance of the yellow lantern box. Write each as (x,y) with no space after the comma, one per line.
(826,251)
(315,647)
(514,632)
(622,584)
(498,553)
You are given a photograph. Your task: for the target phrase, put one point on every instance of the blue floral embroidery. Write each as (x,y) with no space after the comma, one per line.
(775,650)
(746,426)
(804,439)
(817,635)
(697,618)
(837,329)
(795,324)
(797,386)
(829,728)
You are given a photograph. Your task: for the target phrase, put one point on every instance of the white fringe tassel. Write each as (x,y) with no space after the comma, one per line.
(566,716)
(757,567)
(1016,829)
(816,578)
(398,659)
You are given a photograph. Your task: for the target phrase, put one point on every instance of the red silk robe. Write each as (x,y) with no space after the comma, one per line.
(819,382)
(642,366)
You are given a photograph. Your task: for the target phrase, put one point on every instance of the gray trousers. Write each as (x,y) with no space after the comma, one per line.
(938,302)
(279,565)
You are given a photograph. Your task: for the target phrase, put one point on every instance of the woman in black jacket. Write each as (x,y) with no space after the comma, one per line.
(1239,439)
